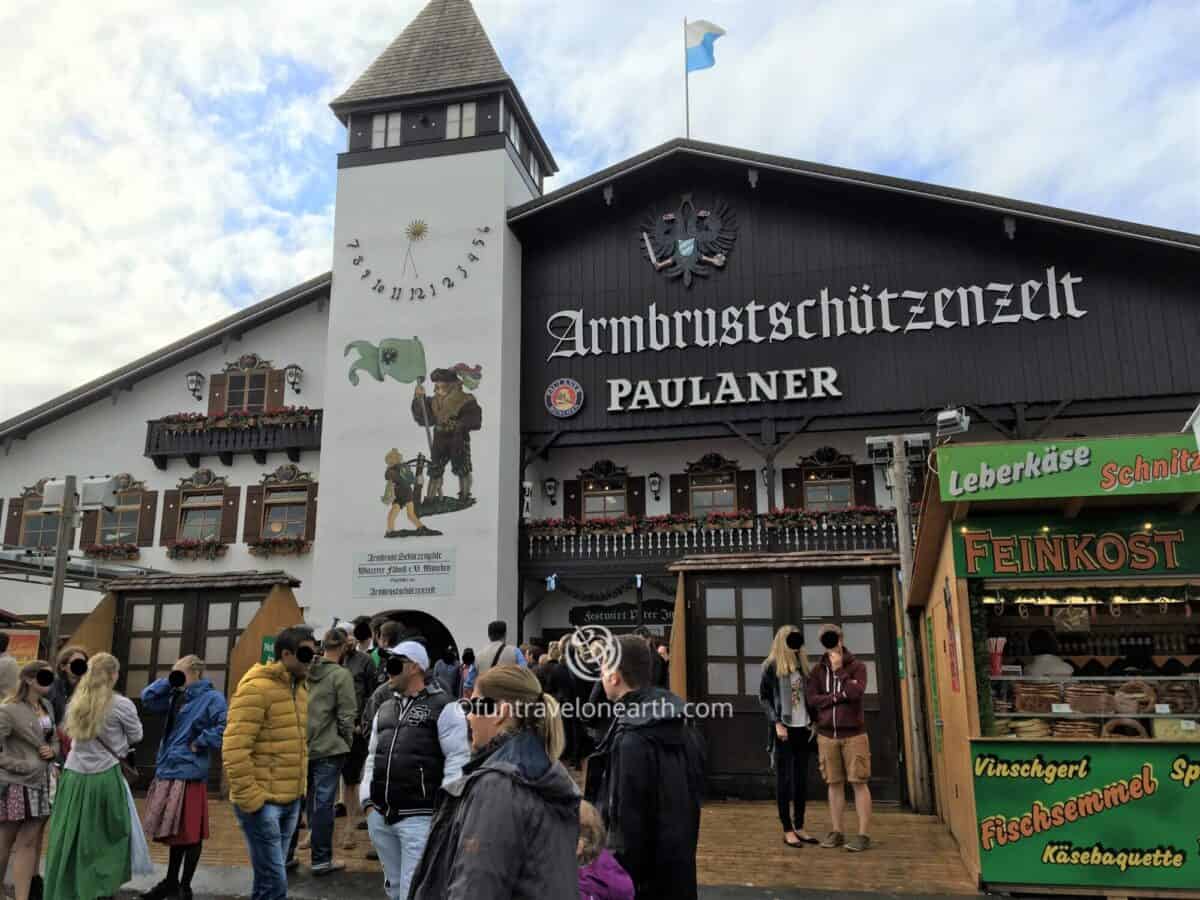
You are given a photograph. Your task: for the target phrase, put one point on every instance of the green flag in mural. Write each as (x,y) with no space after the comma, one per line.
(400,358)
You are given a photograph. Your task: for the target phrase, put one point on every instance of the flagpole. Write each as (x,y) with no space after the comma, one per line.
(687,100)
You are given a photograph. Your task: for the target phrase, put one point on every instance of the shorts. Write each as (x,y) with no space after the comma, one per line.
(356,759)
(844,759)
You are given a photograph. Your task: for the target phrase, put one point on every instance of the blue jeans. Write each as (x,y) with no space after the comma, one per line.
(400,846)
(323,777)
(268,833)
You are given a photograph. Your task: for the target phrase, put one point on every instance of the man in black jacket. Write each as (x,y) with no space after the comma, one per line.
(646,778)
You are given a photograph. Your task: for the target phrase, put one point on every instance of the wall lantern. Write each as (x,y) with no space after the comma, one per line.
(654,480)
(550,487)
(294,375)
(195,382)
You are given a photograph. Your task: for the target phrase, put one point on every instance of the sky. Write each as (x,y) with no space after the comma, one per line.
(166,164)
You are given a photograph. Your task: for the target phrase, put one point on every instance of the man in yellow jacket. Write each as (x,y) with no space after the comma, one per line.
(265,756)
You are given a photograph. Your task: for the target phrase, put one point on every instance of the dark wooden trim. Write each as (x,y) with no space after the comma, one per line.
(276,390)
(681,497)
(747,490)
(229,514)
(310,513)
(146,519)
(12,524)
(404,152)
(253,522)
(635,495)
(793,488)
(217,385)
(89,531)
(170,518)
(572,499)
(864,485)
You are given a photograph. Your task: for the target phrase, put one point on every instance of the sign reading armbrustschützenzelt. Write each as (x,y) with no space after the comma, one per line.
(1088,814)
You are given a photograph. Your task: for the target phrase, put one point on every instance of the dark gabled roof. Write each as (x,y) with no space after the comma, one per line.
(700,149)
(443,48)
(126,376)
(172,582)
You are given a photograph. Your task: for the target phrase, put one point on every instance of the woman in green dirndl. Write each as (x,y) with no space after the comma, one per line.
(96,842)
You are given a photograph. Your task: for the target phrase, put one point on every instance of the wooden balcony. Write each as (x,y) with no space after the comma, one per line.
(166,440)
(598,549)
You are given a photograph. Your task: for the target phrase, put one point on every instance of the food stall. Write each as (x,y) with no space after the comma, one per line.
(1057,585)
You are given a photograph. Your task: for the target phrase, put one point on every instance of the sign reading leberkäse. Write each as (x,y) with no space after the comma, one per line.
(1084,467)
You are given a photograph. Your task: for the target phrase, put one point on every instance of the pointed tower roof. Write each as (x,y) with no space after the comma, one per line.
(444,48)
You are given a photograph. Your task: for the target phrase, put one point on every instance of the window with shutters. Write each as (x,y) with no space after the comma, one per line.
(827,480)
(713,485)
(285,511)
(247,391)
(119,525)
(38,529)
(605,490)
(200,515)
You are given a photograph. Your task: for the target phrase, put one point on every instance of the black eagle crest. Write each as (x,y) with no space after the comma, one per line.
(690,242)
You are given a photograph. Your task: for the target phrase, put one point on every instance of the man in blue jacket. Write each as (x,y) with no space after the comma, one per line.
(177,802)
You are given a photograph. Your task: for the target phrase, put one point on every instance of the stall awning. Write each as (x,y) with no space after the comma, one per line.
(169,582)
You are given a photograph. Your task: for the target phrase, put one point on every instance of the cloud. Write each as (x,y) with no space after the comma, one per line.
(166,165)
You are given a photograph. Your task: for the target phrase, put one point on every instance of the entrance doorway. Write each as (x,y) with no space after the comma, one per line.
(732,621)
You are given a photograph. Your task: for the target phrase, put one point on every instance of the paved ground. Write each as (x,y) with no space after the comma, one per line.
(234,884)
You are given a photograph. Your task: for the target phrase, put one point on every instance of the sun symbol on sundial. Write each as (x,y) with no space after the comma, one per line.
(416,231)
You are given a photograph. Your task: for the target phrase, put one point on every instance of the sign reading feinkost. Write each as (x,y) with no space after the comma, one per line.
(1089,467)
(1118,815)
(1029,547)
(427,572)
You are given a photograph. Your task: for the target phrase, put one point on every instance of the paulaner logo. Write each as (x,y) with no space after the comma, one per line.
(1034,465)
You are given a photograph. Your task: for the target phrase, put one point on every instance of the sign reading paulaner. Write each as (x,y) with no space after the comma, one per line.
(428,572)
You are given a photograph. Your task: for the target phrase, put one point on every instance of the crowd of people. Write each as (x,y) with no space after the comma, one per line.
(455,768)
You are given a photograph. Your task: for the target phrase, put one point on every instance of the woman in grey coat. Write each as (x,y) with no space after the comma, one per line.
(508,828)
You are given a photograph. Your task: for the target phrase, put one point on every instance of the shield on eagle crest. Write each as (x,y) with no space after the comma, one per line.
(689,243)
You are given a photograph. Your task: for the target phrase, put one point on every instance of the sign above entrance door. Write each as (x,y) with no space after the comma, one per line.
(1088,467)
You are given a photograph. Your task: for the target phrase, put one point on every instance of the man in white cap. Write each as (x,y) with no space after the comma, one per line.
(418,744)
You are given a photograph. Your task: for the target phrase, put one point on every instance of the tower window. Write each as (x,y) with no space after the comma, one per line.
(534,171)
(514,133)
(460,120)
(385,130)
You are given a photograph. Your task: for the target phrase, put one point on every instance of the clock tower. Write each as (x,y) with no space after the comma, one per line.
(420,498)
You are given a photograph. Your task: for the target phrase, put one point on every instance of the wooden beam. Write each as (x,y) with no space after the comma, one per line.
(1045,422)
(959,510)
(1072,507)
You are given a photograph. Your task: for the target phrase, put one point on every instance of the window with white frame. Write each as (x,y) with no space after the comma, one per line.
(460,120)
(604,498)
(514,133)
(385,130)
(534,171)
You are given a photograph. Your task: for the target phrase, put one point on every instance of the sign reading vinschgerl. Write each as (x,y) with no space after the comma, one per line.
(1029,547)
(1089,467)
(404,574)
(1114,815)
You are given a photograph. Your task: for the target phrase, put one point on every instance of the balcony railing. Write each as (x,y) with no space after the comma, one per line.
(168,439)
(853,537)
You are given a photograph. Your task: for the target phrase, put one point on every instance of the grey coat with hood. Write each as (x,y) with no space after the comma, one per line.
(506,830)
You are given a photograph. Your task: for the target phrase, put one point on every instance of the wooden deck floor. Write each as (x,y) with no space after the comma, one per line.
(742,844)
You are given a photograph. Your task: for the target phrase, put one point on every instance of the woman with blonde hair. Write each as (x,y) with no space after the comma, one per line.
(782,696)
(96,841)
(508,828)
(29,746)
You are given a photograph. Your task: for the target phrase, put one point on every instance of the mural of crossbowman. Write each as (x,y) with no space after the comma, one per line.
(415,486)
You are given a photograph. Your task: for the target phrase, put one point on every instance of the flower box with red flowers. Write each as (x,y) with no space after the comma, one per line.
(724,520)
(550,527)
(615,525)
(190,548)
(669,522)
(790,517)
(279,546)
(111,551)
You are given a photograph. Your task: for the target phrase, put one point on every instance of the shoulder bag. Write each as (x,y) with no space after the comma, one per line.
(128,770)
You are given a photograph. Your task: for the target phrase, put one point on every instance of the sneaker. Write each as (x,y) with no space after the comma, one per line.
(339,810)
(36,887)
(372,854)
(833,839)
(164,890)
(858,843)
(327,868)
(361,826)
